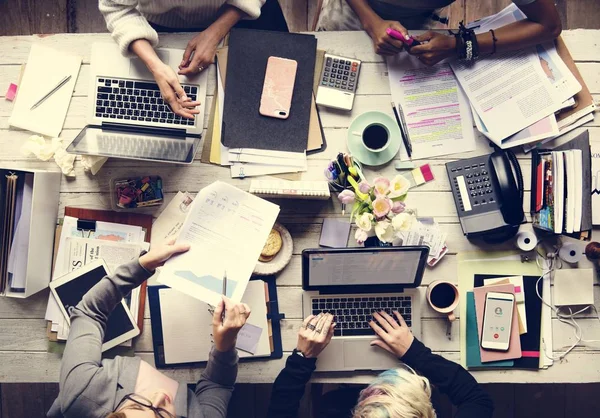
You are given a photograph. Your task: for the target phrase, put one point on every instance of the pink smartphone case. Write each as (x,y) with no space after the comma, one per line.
(278,87)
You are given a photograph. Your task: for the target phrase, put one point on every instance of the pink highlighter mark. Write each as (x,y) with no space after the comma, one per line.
(11,93)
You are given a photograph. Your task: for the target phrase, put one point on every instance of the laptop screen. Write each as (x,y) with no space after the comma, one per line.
(364,267)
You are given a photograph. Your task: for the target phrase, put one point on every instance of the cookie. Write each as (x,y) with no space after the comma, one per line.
(266,258)
(273,244)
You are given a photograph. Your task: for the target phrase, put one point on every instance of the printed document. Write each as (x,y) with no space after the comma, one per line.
(435,110)
(227,229)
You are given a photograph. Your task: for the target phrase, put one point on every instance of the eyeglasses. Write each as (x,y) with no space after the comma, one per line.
(146,403)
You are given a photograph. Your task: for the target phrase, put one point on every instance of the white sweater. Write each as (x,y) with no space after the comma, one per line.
(127,20)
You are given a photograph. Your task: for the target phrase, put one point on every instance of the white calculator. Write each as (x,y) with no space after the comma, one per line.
(338,81)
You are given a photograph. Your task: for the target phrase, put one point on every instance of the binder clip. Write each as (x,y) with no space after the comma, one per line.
(84,225)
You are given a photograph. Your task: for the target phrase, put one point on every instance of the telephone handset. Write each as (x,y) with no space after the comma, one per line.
(488,192)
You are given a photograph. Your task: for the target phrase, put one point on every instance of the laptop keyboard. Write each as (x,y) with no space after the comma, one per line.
(352,315)
(143,147)
(132,100)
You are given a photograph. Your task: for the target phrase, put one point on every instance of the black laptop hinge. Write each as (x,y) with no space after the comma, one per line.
(108,126)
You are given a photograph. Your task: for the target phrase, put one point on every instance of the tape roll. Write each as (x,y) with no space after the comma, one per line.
(526,240)
(570,253)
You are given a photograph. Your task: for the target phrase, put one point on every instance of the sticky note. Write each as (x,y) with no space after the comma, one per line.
(248,337)
(11,93)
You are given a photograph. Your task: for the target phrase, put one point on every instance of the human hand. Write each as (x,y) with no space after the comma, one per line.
(384,44)
(226,328)
(157,256)
(172,92)
(199,53)
(315,334)
(394,337)
(435,47)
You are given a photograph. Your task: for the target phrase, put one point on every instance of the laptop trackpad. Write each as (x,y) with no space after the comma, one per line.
(139,70)
(361,356)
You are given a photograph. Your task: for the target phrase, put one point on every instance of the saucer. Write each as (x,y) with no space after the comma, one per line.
(358,149)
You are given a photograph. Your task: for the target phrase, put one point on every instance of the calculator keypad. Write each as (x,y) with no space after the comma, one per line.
(340,73)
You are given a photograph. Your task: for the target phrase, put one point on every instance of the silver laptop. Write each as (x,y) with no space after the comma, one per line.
(126,116)
(352,283)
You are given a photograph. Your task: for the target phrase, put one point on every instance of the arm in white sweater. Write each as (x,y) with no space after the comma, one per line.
(127,24)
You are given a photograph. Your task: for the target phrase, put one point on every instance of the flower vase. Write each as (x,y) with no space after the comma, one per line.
(373,241)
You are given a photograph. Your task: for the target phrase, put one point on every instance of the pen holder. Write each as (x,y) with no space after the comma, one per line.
(336,185)
(134,192)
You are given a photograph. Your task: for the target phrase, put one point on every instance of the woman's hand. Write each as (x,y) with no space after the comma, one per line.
(226,326)
(172,92)
(157,256)
(384,44)
(199,53)
(315,334)
(435,48)
(394,337)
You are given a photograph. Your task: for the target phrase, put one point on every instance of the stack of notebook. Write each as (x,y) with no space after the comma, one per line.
(236,133)
(525,340)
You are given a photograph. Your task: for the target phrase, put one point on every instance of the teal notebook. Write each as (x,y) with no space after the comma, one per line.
(473,355)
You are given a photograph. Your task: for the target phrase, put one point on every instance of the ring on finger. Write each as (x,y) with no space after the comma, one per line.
(310,327)
(200,68)
(318,331)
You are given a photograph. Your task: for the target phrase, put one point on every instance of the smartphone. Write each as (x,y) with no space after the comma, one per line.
(497,321)
(278,87)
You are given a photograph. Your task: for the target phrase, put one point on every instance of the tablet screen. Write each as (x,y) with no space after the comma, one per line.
(71,293)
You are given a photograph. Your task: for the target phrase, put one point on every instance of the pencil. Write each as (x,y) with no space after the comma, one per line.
(405,139)
(51,92)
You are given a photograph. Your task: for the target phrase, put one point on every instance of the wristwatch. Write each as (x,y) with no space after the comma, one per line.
(300,353)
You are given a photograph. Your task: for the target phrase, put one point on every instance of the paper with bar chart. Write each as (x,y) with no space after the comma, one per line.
(227,229)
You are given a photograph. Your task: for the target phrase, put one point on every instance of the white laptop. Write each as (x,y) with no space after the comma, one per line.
(126,116)
(352,283)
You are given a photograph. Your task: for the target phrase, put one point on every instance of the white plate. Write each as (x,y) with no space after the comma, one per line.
(282,258)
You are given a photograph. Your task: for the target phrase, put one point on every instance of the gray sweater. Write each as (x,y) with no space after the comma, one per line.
(92,387)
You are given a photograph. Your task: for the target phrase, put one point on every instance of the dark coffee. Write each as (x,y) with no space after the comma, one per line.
(442,295)
(375,137)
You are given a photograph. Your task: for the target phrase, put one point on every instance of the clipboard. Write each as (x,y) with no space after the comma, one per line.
(274,318)
(87,219)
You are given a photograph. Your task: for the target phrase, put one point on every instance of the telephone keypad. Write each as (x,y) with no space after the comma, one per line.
(478,194)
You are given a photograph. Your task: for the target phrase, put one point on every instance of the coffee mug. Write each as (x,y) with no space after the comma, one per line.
(375,137)
(443,298)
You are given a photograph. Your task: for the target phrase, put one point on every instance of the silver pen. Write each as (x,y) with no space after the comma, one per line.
(51,92)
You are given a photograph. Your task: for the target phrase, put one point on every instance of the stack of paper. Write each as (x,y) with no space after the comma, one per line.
(538,89)
(116,244)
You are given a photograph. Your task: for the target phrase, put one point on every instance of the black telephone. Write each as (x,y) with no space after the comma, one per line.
(488,192)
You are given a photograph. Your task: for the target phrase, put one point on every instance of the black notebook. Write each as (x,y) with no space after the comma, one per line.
(243,125)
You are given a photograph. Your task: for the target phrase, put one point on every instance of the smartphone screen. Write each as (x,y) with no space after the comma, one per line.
(497,321)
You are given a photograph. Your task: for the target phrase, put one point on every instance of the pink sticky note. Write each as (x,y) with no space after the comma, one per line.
(11,93)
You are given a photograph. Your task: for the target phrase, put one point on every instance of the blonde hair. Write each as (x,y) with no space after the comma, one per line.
(396,393)
(116,415)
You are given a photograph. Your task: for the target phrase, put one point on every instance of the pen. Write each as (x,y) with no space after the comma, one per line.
(404,134)
(224,292)
(51,92)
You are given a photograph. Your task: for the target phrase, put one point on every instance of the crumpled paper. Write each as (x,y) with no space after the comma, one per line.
(42,149)
(65,161)
(92,163)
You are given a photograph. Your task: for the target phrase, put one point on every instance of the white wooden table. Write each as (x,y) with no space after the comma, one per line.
(23,342)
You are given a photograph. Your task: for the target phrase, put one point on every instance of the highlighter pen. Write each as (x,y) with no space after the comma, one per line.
(408,40)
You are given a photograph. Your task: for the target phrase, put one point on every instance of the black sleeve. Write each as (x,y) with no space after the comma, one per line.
(289,386)
(450,378)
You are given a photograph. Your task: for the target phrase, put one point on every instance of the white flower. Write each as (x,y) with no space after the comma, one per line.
(384,231)
(402,221)
(360,236)
(365,221)
(399,187)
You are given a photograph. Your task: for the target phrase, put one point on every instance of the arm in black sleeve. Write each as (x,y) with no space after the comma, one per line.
(289,386)
(450,378)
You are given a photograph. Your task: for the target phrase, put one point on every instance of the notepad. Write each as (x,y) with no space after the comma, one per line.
(45,68)
(187,326)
